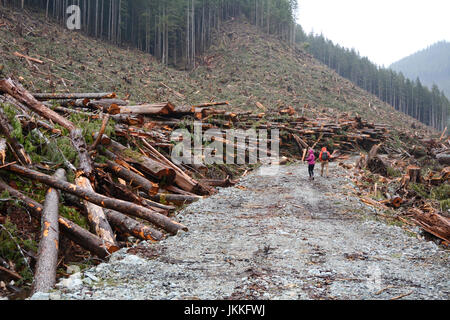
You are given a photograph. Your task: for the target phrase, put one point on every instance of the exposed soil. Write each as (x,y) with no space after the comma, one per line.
(274,237)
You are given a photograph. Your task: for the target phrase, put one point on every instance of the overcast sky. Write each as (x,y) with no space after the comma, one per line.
(385,31)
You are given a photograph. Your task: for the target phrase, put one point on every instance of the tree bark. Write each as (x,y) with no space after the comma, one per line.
(147,165)
(45,272)
(100,200)
(73,96)
(101,132)
(95,214)
(133,178)
(74,232)
(176,198)
(149,109)
(129,226)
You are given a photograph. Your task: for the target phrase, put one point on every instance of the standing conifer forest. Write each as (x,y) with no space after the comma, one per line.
(176,31)
(410,96)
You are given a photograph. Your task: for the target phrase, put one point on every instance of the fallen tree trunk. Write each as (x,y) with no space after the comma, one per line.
(100,133)
(23,96)
(443,158)
(73,96)
(74,232)
(210,104)
(133,178)
(45,272)
(103,201)
(433,223)
(95,214)
(148,109)
(149,166)
(181,178)
(176,198)
(20,55)
(219,183)
(129,226)
(76,135)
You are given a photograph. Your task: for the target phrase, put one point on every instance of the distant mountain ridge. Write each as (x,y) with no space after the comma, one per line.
(431,66)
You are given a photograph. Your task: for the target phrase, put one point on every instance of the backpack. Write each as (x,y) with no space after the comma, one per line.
(325,156)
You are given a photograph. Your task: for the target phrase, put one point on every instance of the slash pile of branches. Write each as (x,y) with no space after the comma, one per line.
(418,195)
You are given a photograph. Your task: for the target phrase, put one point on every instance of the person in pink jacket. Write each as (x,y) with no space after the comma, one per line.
(311,163)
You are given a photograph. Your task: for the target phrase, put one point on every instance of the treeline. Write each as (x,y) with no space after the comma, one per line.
(430,106)
(174,31)
(431,65)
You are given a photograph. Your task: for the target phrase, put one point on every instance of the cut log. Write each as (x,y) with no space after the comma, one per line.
(105,104)
(47,261)
(394,202)
(433,223)
(261,106)
(100,133)
(73,96)
(181,178)
(23,96)
(95,214)
(119,205)
(148,109)
(445,174)
(133,178)
(219,183)
(149,166)
(175,198)
(443,159)
(129,226)
(20,55)
(210,104)
(77,234)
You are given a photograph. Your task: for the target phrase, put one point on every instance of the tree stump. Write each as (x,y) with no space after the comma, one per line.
(414,174)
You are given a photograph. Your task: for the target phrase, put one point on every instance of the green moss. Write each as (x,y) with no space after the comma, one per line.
(74,216)
(441,193)
(9,242)
(393,172)
(420,189)
(133,155)
(445,205)
(10,113)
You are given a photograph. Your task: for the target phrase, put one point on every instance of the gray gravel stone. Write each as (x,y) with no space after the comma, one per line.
(275,237)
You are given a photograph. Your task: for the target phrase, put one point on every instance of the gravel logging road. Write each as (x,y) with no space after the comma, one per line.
(273,237)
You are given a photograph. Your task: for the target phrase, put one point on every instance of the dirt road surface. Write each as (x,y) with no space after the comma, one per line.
(274,237)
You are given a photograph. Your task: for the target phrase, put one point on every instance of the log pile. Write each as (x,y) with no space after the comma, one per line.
(124,182)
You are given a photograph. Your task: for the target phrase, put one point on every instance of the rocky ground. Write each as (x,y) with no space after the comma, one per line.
(273,237)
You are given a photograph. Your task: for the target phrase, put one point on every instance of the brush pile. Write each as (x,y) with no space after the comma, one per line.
(418,195)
